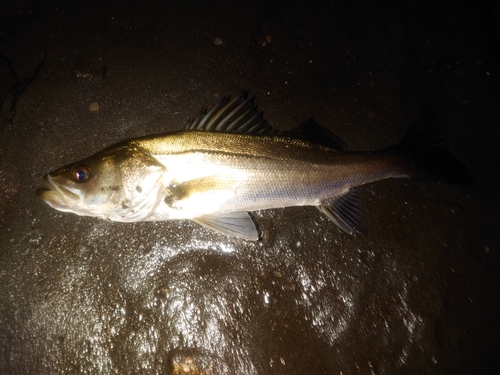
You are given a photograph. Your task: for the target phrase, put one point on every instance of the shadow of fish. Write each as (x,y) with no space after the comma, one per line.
(229,161)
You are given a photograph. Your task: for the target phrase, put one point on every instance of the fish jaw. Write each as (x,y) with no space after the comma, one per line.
(61,198)
(66,198)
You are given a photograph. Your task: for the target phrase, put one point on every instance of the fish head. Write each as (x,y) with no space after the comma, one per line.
(120,183)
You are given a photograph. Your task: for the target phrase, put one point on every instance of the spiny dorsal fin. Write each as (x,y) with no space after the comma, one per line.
(238,116)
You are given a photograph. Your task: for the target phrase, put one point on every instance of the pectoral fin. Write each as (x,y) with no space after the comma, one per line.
(345,211)
(179,193)
(237,224)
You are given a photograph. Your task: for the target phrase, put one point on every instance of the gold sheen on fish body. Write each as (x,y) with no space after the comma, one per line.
(229,161)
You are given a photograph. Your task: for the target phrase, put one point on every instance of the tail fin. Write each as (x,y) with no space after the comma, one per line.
(428,152)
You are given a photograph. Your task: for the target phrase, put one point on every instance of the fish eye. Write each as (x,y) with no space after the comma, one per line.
(81,173)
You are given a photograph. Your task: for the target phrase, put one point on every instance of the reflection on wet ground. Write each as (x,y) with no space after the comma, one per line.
(417,294)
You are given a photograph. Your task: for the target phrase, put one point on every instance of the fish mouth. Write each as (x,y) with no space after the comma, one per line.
(58,196)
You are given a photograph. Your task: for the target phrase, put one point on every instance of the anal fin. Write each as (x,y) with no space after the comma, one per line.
(236,224)
(345,211)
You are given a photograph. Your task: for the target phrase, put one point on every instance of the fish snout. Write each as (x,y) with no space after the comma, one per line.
(59,196)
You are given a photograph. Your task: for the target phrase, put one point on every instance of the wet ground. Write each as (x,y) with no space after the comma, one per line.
(418,294)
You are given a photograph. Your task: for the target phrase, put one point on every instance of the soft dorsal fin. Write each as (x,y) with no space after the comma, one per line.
(238,115)
(313,132)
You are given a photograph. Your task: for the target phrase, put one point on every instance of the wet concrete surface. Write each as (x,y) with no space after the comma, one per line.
(418,294)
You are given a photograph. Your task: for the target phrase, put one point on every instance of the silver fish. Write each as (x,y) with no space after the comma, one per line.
(229,161)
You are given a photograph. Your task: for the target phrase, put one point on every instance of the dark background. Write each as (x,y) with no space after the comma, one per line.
(418,294)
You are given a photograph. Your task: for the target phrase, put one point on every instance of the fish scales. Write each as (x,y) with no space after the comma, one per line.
(269,171)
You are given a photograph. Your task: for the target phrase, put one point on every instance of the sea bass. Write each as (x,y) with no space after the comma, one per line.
(229,161)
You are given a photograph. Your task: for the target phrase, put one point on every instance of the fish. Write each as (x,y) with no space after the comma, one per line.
(229,161)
